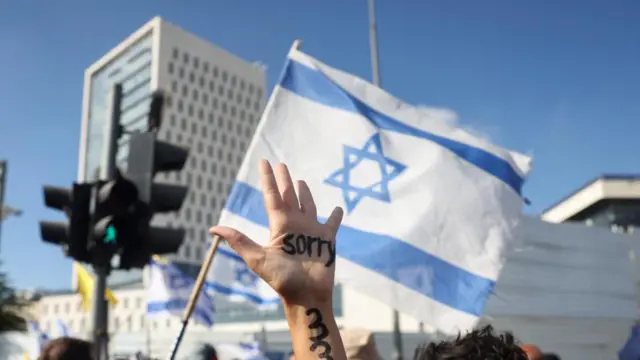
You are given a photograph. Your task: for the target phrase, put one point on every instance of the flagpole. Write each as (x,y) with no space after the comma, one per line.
(195,293)
(148,338)
(375,69)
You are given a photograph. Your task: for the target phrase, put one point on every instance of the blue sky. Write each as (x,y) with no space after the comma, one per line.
(554,79)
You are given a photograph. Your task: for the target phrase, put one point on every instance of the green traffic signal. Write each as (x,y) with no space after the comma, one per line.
(111,234)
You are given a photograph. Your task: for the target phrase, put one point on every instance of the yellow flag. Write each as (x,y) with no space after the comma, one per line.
(86,285)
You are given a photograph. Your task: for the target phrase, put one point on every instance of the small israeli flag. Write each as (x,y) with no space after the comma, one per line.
(169,291)
(229,275)
(63,329)
(43,338)
(430,208)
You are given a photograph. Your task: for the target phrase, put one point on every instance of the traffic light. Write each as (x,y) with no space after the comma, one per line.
(71,235)
(147,157)
(114,223)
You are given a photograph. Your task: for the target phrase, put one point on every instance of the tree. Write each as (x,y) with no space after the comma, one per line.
(10,307)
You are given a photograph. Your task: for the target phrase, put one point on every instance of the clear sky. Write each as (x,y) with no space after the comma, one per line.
(557,79)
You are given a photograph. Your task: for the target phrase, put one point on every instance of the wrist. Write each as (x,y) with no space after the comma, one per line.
(296,311)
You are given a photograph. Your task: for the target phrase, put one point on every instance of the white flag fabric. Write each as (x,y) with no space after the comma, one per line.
(229,275)
(168,293)
(429,208)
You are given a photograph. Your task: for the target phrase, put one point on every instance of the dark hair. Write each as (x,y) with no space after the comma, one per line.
(550,356)
(479,344)
(67,348)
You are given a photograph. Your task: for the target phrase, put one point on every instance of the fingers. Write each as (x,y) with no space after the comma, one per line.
(249,250)
(285,184)
(307,205)
(335,219)
(272,199)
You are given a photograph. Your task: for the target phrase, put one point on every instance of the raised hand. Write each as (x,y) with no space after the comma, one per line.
(299,260)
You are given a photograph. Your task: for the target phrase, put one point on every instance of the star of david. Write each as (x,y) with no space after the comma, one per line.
(245,276)
(372,151)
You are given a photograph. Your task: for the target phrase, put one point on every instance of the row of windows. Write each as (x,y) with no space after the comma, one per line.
(213,98)
(214,114)
(205,68)
(76,306)
(117,324)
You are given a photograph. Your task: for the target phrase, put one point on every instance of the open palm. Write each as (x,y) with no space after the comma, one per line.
(299,260)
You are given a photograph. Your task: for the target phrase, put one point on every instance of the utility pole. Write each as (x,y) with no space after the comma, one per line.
(102,260)
(3,182)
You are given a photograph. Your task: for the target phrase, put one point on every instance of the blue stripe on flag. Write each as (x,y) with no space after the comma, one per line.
(315,86)
(386,256)
(179,304)
(221,289)
(230,254)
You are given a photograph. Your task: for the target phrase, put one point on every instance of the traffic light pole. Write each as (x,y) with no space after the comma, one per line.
(102,262)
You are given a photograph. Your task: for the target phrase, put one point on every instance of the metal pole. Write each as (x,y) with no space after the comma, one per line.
(111,134)
(101,263)
(148,331)
(375,69)
(3,182)
(373,43)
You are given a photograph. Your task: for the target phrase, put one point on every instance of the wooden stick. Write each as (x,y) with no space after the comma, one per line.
(195,293)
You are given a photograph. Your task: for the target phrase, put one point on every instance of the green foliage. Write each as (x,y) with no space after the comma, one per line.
(10,307)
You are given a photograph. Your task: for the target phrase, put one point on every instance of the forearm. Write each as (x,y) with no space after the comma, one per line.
(314,332)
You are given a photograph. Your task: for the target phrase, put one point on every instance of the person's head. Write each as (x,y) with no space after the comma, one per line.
(67,348)
(204,352)
(480,344)
(550,356)
(533,352)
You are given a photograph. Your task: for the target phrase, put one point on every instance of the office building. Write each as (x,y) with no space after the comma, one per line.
(215,103)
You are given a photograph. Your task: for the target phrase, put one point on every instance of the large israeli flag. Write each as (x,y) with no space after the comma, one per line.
(430,208)
(230,276)
(168,293)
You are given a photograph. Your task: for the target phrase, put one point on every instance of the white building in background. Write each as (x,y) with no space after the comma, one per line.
(131,331)
(215,102)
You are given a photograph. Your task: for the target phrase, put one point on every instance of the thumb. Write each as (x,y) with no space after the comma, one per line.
(249,250)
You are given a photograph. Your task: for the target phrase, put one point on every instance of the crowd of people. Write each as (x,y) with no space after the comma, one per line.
(305,284)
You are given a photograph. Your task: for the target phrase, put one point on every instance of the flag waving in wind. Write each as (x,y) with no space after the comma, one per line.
(429,208)
(168,293)
(230,275)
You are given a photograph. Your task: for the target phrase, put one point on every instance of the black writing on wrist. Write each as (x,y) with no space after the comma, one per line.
(310,246)
(319,332)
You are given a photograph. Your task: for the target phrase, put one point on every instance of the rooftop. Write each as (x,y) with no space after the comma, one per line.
(606,187)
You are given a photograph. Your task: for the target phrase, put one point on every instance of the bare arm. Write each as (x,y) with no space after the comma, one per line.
(314,332)
(302,272)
